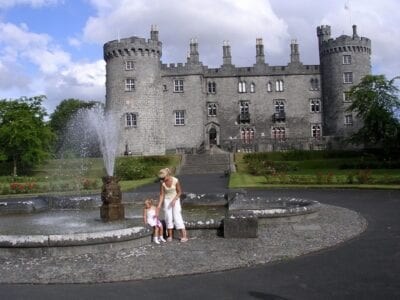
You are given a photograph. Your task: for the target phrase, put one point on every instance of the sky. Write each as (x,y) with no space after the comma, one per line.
(55,47)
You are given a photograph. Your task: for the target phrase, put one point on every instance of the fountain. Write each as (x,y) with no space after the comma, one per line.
(107,129)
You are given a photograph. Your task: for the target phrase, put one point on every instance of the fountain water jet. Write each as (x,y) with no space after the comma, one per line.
(106,128)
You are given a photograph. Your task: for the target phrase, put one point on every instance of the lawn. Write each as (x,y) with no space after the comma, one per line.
(285,170)
(80,176)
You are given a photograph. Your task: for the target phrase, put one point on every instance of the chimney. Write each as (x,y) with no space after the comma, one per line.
(226,49)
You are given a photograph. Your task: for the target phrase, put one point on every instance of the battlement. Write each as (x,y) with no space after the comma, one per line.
(343,43)
(132,46)
(189,69)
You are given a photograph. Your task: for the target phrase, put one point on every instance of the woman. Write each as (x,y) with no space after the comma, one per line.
(170,192)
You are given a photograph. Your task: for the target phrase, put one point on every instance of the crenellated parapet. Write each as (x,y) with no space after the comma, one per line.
(133,46)
(343,43)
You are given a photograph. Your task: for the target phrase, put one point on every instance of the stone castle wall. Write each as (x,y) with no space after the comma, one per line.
(155,102)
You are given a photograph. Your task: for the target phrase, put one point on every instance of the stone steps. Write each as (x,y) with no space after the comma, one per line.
(205,163)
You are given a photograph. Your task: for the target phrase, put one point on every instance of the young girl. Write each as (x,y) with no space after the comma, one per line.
(150,217)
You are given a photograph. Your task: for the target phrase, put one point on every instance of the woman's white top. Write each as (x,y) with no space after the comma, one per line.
(170,192)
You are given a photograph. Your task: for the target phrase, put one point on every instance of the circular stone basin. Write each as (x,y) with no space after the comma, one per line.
(273,208)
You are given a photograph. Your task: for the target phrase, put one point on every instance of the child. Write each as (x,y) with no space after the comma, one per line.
(150,217)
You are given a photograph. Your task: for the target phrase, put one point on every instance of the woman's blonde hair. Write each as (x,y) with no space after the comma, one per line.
(164,173)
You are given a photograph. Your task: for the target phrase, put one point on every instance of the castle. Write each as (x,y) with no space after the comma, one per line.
(189,107)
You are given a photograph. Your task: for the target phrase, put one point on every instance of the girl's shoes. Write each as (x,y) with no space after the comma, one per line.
(184,240)
(156,240)
(161,239)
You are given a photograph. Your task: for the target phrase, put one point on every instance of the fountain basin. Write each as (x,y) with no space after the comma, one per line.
(75,226)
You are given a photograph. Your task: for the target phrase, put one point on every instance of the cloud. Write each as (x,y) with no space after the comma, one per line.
(32,63)
(211,22)
(32,3)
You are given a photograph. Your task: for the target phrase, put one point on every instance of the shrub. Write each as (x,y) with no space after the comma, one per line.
(364,176)
(131,169)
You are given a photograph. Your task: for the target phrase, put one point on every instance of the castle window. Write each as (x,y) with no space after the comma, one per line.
(129,84)
(252,88)
(247,135)
(347,59)
(130,120)
(279,106)
(278,133)
(314,82)
(348,77)
(315,105)
(244,115)
(348,120)
(279,86)
(129,65)
(179,117)
(269,86)
(178,86)
(316,131)
(346,97)
(212,87)
(212,109)
(242,86)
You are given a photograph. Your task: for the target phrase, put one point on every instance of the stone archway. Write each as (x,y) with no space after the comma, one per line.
(212,136)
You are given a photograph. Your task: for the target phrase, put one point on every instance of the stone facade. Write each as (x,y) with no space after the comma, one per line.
(187,107)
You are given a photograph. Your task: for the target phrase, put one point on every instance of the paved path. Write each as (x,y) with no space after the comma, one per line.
(367,267)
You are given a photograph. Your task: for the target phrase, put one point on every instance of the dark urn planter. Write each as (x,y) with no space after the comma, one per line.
(112,209)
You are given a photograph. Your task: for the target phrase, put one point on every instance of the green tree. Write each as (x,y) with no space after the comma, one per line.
(25,136)
(375,101)
(62,115)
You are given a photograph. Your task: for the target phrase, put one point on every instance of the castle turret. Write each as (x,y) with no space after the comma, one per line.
(226,51)
(260,57)
(344,61)
(134,93)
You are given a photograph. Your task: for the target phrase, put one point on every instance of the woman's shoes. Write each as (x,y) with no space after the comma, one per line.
(184,240)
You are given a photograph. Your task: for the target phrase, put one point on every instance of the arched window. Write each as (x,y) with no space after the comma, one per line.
(130,120)
(279,87)
(269,86)
(212,109)
(247,135)
(315,105)
(278,133)
(212,87)
(316,131)
(252,87)
(242,86)
(314,84)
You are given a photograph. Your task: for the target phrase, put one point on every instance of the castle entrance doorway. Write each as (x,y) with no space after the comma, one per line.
(212,136)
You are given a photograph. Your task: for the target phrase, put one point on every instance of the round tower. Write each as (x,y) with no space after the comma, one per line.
(134,93)
(344,61)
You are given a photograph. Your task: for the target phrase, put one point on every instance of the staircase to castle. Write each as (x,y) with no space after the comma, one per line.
(205,163)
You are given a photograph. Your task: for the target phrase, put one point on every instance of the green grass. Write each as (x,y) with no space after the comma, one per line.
(58,173)
(317,173)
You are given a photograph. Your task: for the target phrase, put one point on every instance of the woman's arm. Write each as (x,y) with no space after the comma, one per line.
(178,190)
(178,193)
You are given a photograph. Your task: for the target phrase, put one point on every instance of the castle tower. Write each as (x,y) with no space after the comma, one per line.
(344,61)
(134,93)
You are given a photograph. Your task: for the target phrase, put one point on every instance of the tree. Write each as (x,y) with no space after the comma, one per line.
(62,115)
(375,101)
(25,137)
